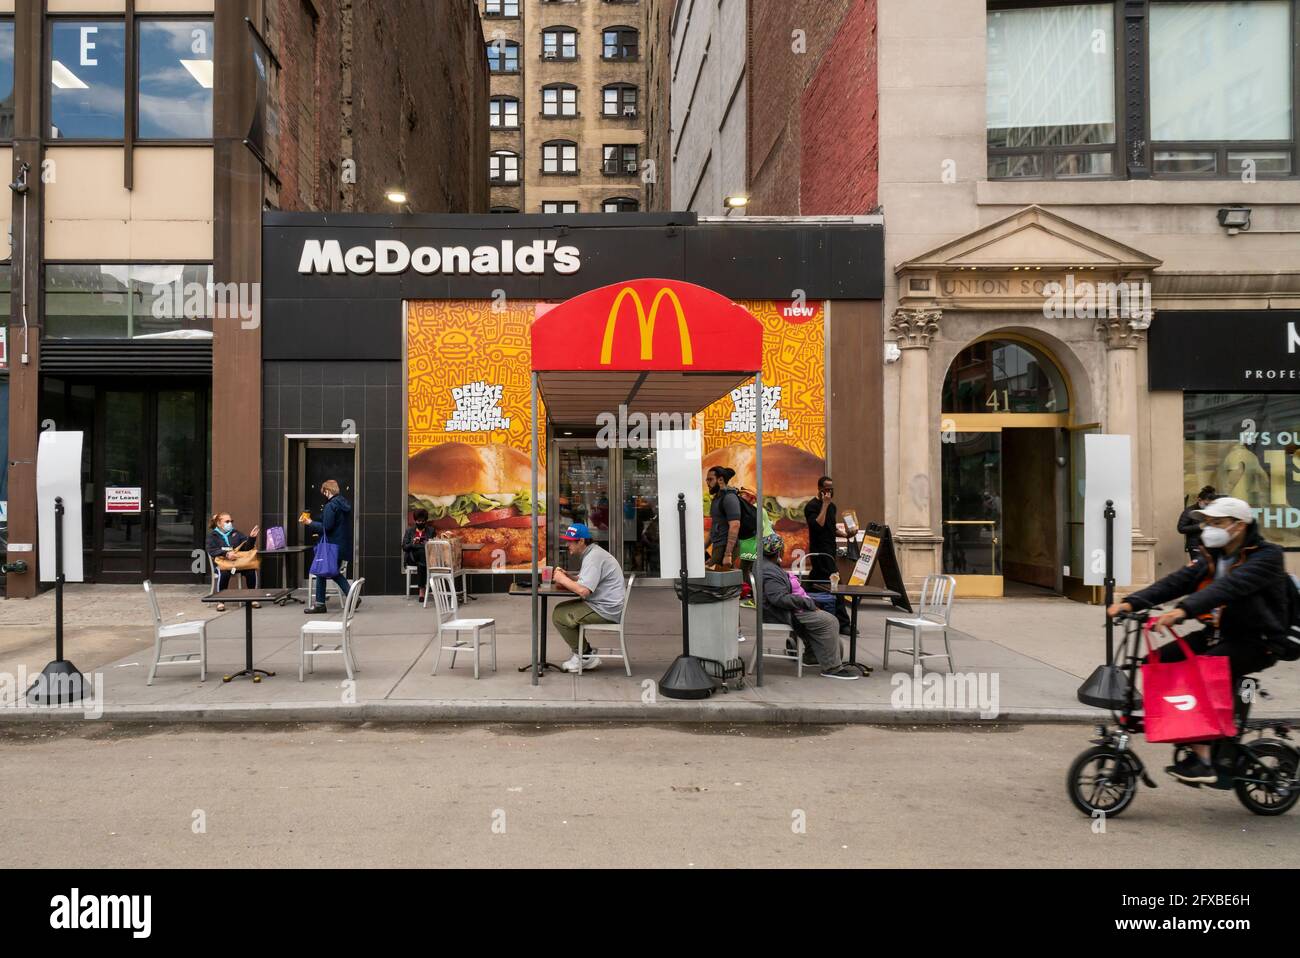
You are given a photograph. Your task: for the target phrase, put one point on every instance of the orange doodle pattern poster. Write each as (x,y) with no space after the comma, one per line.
(794,417)
(469,425)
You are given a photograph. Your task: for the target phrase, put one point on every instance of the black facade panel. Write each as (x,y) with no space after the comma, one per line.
(1231,351)
(79,357)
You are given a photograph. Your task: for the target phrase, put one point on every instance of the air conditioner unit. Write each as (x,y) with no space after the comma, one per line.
(629,111)
(550,55)
(631,166)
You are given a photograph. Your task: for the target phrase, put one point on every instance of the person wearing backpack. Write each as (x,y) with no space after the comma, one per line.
(726,514)
(1239,589)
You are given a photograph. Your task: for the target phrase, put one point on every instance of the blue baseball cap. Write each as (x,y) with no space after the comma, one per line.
(575,533)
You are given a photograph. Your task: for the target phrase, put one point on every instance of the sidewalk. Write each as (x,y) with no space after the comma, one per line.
(1033,652)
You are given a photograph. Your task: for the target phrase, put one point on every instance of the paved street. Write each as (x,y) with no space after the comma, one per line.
(621,796)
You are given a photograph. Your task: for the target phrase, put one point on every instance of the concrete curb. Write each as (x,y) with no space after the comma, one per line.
(514,711)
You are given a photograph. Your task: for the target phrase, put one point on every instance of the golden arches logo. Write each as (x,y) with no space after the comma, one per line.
(646,325)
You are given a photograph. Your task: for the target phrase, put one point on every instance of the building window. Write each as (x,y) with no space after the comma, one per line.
(137,301)
(503,167)
(501,8)
(560,99)
(560,156)
(87,72)
(621,160)
(563,206)
(620,204)
(174,97)
(1222,88)
(1051,91)
(503,113)
(560,43)
(621,43)
(1256,465)
(504,209)
(6,80)
(620,100)
(1002,376)
(503,56)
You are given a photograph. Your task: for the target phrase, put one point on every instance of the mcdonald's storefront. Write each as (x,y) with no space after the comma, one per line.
(397,355)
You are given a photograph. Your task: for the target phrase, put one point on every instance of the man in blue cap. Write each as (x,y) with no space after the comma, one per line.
(599,588)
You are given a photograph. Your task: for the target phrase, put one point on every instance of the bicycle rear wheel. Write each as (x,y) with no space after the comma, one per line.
(1274,787)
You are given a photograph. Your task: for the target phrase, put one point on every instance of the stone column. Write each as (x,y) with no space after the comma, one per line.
(919,545)
(1122,340)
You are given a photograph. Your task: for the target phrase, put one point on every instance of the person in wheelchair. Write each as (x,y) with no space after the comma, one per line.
(1238,588)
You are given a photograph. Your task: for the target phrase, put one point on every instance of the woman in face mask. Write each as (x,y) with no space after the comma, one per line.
(225,542)
(413,542)
(1239,592)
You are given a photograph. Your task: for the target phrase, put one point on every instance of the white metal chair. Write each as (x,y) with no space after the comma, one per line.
(784,632)
(443,589)
(339,628)
(933,612)
(311,585)
(180,630)
(412,573)
(609,628)
(802,566)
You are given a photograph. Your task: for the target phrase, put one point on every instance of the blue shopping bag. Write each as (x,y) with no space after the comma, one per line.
(325,561)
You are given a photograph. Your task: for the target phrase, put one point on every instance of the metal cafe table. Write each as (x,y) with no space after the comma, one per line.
(545,590)
(855,594)
(246,598)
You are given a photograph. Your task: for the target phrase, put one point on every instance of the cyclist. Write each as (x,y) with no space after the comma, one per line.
(1238,587)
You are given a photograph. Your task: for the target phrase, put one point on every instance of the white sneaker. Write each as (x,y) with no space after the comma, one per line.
(741,638)
(590,663)
(572,664)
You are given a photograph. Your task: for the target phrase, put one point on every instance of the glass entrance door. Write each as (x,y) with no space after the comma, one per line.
(580,478)
(145,469)
(639,483)
(972,505)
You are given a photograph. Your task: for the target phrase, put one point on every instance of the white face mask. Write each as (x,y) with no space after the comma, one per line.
(1212,537)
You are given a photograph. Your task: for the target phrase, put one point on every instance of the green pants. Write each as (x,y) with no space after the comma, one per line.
(569,615)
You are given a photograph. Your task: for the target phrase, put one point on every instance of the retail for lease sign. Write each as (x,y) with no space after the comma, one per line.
(123,500)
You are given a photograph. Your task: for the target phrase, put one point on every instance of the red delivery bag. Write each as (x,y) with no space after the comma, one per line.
(1187,701)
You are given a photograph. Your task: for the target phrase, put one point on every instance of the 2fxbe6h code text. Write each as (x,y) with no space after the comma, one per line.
(1195,901)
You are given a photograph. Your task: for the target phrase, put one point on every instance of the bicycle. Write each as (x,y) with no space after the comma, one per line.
(1103,780)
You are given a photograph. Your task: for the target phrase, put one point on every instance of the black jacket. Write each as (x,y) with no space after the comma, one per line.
(218,544)
(1190,528)
(1254,593)
(413,550)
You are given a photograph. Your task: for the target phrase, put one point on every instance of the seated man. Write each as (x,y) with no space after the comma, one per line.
(599,588)
(781,606)
(413,542)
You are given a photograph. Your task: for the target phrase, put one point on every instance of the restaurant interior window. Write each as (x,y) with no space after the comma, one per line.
(1222,86)
(503,113)
(560,99)
(6,78)
(175,80)
(561,206)
(621,43)
(503,56)
(503,167)
(621,159)
(560,156)
(620,100)
(137,301)
(87,71)
(560,43)
(620,204)
(1050,108)
(1247,446)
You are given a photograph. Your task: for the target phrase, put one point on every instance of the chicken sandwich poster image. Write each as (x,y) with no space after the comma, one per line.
(794,419)
(469,427)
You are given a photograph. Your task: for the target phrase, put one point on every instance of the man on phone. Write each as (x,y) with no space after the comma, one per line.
(821,515)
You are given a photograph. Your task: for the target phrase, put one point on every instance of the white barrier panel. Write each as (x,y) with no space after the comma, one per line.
(58,474)
(1108,475)
(680,457)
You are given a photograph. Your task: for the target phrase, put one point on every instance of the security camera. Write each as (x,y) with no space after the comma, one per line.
(19,185)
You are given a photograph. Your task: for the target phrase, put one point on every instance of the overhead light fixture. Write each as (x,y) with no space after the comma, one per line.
(397,197)
(201,70)
(1235,219)
(736,201)
(65,79)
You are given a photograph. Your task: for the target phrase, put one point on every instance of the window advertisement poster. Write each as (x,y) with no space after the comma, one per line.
(1247,446)
(469,427)
(794,419)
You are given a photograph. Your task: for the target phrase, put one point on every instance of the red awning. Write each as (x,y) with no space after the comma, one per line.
(647,325)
